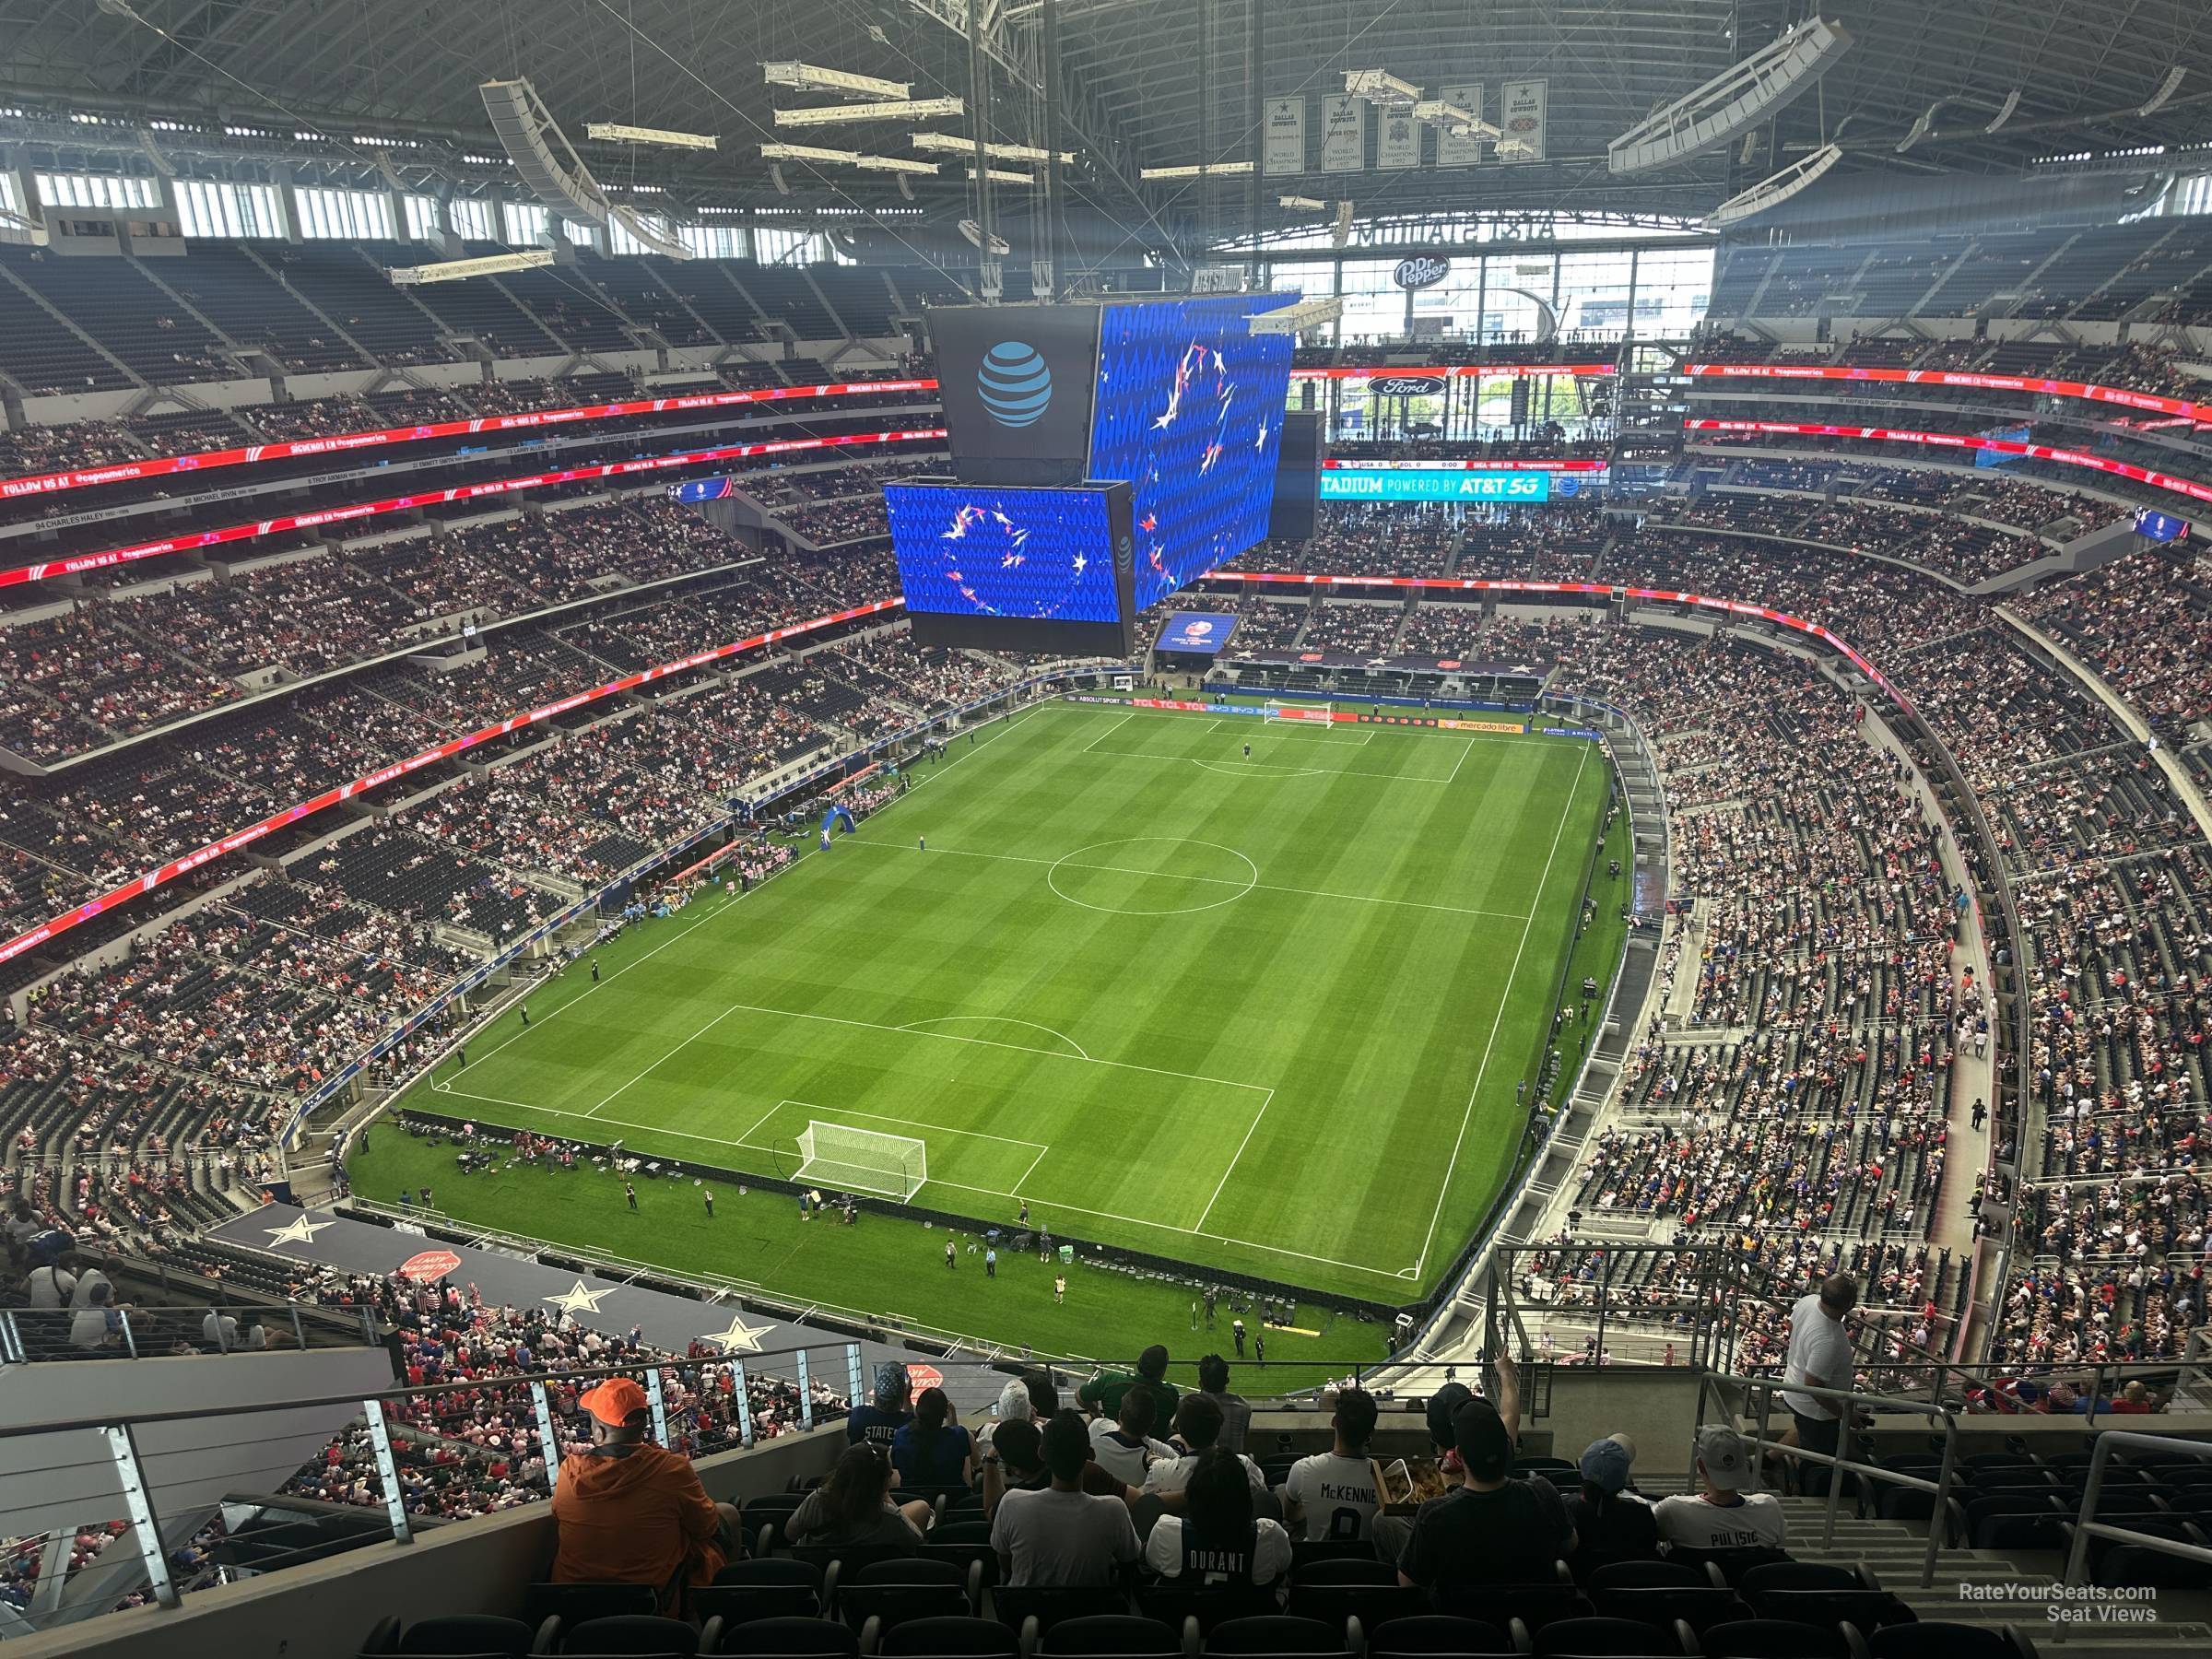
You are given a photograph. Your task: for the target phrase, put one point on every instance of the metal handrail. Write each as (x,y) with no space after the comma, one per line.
(121,1431)
(1846,1398)
(2101,1455)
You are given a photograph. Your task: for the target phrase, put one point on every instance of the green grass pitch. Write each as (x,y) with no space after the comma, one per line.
(1265,1014)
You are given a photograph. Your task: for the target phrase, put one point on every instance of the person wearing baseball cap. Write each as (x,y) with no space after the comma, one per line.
(1494,1529)
(1611,1521)
(878,1422)
(1726,1514)
(627,1511)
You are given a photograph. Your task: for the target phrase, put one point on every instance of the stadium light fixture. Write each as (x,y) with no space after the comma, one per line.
(1379,85)
(1457,116)
(1002,175)
(843,82)
(454,270)
(1211,170)
(1733,100)
(952,144)
(909,109)
(614,132)
(1773,192)
(1297,204)
(1306,315)
(844,157)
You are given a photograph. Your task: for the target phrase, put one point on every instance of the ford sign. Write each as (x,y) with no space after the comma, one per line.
(1420,272)
(1405,386)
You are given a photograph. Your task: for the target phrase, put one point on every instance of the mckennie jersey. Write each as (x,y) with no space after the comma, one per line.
(1337,1495)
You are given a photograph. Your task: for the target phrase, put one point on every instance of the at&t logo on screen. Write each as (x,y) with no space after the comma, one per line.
(1015,384)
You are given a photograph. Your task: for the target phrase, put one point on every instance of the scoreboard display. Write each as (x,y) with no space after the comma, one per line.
(971,556)
(1175,403)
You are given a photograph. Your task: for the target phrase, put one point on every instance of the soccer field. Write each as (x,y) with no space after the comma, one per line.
(1265,1014)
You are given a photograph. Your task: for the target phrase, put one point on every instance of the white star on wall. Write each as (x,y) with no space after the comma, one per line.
(298,1231)
(740,1338)
(577,1300)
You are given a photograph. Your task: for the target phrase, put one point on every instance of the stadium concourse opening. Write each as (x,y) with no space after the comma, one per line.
(1201,1039)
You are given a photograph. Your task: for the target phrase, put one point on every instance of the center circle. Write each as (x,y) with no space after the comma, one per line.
(1152,875)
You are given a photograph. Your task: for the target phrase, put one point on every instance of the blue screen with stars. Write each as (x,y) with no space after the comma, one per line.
(1190,410)
(993,550)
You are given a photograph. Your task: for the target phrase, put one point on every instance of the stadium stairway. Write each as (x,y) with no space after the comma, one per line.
(1893,1551)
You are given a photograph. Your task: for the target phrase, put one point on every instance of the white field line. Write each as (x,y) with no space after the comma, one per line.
(713,1140)
(1262,886)
(708,911)
(1497,1019)
(1040,1148)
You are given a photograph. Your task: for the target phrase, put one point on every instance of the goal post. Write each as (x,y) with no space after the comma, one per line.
(861,1160)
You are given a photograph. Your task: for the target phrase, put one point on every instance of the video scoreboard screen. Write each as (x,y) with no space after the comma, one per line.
(1190,410)
(1178,401)
(974,555)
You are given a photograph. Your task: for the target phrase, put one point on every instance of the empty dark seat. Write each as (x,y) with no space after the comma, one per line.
(1345,1569)
(1603,1639)
(791,1639)
(894,1592)
(1772,1639)
(576,1603)
(1535,1605)
(1305,1552)
(1436,1636)
(1051,1604)
(1370,1604)
(771,1588)
(1868,1610)
(1735,1564)
(1661,1604)
(470,1633)
(1797,1575)
(631,1633)
(1210,1605)
(1938,1640)
(1111,1636)
(950,1638)
(2017,1532)
(2128,1566)
(1647,1575)
(1274,1633)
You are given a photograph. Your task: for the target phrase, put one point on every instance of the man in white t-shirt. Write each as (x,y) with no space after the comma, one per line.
(1333,1492)
(1198,1423)
(1063,1535)
(52,1287)
(1722,1515)
(1122,1448)
(1819,1357)
(220,1331)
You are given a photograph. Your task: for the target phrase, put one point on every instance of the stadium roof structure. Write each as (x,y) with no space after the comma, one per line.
(1158,83)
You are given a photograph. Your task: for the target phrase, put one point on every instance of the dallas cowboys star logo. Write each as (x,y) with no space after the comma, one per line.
(298,1231)
(577,1300)
(740,1338)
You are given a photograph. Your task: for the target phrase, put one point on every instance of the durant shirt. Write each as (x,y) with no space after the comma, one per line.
(1337,1494)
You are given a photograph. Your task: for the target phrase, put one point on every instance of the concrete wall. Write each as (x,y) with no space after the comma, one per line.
(328,1607)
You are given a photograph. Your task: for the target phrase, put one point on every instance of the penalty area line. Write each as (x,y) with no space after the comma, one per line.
(1039,1199)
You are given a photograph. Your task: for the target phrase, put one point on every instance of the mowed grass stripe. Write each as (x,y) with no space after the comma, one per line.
(1365,1019)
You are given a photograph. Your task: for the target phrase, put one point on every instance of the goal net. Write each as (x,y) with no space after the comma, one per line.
(861,1160)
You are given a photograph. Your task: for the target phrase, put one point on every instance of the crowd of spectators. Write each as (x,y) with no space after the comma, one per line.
(475,1448)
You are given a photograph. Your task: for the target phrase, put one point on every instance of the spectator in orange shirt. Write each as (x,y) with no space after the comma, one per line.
(632,1513)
